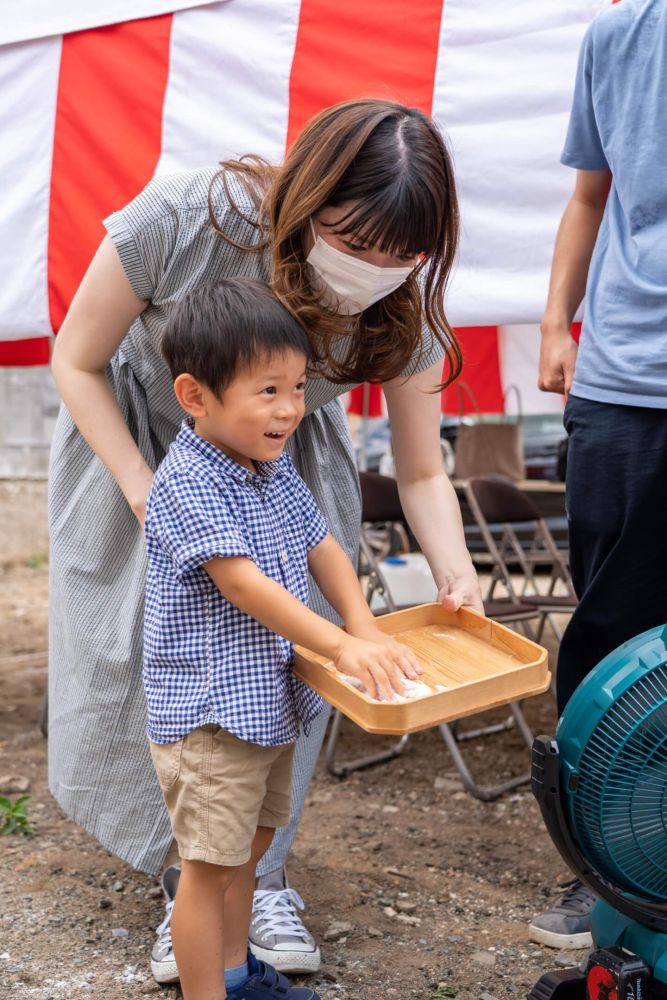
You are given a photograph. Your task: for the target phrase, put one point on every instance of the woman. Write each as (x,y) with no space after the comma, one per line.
(357,233)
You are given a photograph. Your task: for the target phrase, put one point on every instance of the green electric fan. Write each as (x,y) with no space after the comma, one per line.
(602,787)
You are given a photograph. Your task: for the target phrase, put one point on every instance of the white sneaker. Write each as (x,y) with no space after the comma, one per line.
(277,934)
(163,962)
(567,922)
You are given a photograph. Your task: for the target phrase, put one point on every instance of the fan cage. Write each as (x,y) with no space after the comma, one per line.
(618,809)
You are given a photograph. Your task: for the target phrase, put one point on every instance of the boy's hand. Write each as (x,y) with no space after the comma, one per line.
(401,654)
(380,666)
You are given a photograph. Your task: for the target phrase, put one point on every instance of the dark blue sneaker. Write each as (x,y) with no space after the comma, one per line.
(266,983)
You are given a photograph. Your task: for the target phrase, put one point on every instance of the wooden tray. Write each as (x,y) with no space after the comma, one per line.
(480,663)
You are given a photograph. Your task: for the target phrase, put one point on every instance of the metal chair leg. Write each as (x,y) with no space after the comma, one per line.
(492,792)
(342,770)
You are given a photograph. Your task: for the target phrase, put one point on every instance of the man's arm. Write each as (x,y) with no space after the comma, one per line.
(575,241)
(245,586)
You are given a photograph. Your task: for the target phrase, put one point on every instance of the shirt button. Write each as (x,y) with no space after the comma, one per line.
(283,556)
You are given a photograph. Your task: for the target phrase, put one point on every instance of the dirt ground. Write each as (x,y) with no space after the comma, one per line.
(414,888)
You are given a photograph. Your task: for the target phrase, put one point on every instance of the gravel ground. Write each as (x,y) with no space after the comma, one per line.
(416,890)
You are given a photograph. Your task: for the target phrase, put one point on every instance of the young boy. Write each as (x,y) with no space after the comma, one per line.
(232,532)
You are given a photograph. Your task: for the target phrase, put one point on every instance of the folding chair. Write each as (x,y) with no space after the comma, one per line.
(382,513)
(502,511)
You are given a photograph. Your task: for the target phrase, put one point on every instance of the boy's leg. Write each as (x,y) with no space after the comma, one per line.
(238,902)
(211,919)
(197,927)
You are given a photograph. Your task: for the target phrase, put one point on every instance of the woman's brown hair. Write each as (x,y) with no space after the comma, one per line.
(392,162)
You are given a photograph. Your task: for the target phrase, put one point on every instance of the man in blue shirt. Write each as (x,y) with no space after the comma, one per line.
(612,245)
(232,533)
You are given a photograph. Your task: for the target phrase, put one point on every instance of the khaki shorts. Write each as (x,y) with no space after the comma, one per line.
(219,789)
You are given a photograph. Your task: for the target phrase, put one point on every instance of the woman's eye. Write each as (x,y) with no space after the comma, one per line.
(356,247)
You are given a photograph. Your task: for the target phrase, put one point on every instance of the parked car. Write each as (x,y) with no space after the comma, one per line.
(543,437)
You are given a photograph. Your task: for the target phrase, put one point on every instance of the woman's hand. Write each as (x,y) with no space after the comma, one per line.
(379,666)
(462,591)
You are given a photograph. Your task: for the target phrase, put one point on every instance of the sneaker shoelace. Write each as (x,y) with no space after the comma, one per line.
(163,932)
(577,899)
(276,913)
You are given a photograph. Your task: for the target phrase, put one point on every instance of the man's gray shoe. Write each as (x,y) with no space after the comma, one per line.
(567,923)
(277,934)
(163,962)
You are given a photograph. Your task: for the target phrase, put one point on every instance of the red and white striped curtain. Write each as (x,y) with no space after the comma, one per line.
(88,117)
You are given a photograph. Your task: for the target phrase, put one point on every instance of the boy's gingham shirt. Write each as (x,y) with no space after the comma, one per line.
(205,661)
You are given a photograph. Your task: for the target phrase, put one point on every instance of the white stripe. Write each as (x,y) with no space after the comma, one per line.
(228,88)
(518,354)
(502,92)
(29,86)
(23,20)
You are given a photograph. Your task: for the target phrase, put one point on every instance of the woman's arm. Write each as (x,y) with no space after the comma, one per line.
(99,317)
(575,241)
(427,496)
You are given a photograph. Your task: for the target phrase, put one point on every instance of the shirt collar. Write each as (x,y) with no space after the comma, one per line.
(266,471)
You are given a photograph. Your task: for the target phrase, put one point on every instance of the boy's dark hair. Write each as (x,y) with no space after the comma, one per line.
(216,331)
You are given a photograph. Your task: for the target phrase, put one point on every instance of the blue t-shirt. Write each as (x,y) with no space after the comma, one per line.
(619,123)
(205,660)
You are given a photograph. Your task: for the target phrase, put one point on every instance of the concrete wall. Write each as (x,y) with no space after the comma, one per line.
(28,408)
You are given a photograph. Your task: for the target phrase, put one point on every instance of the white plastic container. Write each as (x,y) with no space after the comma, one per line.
(409,581)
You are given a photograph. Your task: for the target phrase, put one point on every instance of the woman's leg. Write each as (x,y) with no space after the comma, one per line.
(305,758)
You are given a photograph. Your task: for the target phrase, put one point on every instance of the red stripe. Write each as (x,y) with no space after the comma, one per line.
(481,371)
(374,401)
(333,61)
(379,48)
(36,351)
(108,134)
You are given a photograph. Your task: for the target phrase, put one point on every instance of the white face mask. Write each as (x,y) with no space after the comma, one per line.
(348,285)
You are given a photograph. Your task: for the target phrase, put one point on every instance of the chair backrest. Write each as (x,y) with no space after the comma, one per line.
(501,502)
(497,501)
(379,498)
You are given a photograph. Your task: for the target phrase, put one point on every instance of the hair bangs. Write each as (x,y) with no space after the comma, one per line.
(401,220)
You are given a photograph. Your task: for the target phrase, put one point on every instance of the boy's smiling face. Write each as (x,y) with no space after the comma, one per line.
(258,410)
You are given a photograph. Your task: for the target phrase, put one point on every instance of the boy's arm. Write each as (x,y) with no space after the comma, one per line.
(336,577)
(245,586)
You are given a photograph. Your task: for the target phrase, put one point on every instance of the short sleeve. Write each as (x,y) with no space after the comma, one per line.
(314,523)
(193,522)
(583,146)
(144,234)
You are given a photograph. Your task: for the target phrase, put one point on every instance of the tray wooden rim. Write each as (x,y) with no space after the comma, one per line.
(446,706)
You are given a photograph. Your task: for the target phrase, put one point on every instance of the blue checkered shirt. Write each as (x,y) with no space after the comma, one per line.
(205,661)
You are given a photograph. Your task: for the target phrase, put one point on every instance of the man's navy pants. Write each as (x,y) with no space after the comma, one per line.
(616,499)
